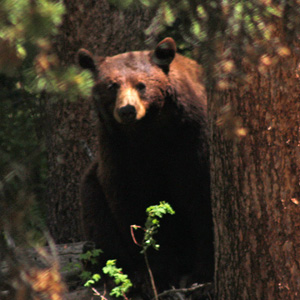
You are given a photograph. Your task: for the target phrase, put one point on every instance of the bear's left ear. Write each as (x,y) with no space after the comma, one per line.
(164,52)
(86,60)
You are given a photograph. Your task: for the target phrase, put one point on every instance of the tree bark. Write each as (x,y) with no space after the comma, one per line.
(255,182)
(104,30)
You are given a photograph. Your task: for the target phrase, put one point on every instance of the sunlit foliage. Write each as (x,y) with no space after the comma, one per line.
(227,28)
(26,32)
(28,70)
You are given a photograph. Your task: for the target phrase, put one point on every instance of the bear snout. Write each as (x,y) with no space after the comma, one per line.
(128,106)
(127,113)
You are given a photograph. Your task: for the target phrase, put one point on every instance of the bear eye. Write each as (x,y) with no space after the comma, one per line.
(141,87)
(113,86)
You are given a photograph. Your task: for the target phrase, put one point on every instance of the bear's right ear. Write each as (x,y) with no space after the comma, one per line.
(164,52)
(85,59)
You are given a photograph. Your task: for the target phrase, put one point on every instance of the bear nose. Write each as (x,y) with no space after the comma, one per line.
(127,113)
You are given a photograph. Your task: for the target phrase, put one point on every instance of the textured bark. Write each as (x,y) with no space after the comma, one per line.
(255,183)
(104,30)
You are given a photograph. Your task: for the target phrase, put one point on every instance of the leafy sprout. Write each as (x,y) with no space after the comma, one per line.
(155,213)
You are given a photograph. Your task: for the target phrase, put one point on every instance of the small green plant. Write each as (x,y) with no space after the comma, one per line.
(91,256)
(94,278)
(155,213)
(121,280)
(123,283)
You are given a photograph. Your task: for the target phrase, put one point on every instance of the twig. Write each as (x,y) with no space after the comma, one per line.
(208,286)
(151,276)
(146,260)
(96,293)
(132,234)
(124,296)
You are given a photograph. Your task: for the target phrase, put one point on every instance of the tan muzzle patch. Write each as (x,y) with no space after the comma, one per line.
(128,98)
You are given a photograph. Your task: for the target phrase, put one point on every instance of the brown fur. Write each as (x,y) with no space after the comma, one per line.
(160,156)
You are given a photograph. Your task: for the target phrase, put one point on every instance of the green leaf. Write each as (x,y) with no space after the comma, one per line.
(122,280)
(96,277)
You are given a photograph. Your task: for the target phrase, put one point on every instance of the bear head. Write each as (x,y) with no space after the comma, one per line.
(129,85)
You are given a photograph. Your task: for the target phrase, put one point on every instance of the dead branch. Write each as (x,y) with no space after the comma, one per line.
(207,288)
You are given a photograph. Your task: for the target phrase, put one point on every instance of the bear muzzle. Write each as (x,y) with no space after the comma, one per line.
(129,107)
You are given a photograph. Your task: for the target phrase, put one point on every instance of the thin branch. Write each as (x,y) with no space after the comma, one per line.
(96,293)
(124,296)
(207,286)
(132,234)
(151,276)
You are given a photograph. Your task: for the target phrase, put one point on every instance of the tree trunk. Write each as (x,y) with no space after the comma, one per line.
(104,30)
(255,175)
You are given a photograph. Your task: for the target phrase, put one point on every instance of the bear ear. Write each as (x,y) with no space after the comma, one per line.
(85,59)
(164,52)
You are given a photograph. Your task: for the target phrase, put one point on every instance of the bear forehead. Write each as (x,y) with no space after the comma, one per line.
(129,65)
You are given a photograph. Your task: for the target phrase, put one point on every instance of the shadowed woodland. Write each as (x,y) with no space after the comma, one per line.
(249,55)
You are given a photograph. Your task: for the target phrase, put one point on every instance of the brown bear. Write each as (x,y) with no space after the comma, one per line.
(152,115)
